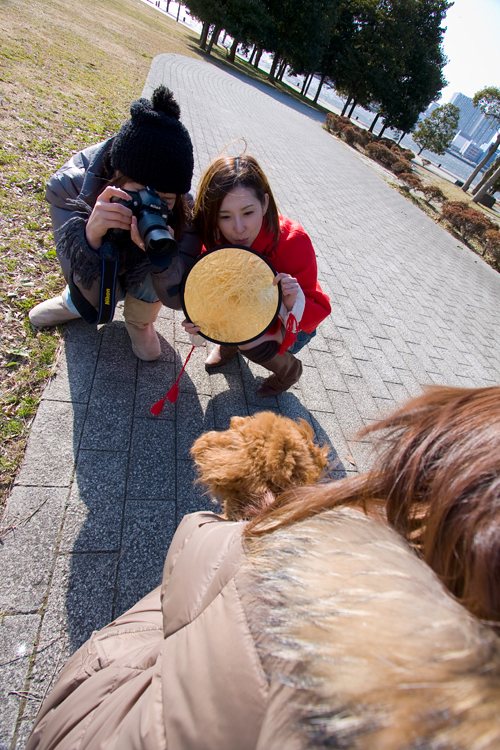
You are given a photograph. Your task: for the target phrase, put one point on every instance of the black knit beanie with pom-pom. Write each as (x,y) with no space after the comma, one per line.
(153,147)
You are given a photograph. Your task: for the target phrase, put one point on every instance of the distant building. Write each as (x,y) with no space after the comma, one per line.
(479,128)
(461,140)
(472,152)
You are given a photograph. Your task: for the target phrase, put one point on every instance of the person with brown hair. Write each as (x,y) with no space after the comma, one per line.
(101,242)
(314,624)
(235,205)
(437,480)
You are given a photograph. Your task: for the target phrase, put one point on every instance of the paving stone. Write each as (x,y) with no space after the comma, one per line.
(232,403)
(94,513)
(73,378)
(152,461)
(409,381)
(347,413)
(17,638)
(195,416)
(413,364)
(329,432)
(360,392)
(195,379)
(147,532)
(153,383)
(82,333)
(384,367)
(313,390)
(191,497)
(116,361)
(26,725)
(80,601)
(329,371)
(354,344)
(30,527)
(319,342)
(109,416)
(399,393)
(363,455)
(343,359)
(53,445)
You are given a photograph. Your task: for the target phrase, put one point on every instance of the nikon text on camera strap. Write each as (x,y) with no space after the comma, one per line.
(107,296)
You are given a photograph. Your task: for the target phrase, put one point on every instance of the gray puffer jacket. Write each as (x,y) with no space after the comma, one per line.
(71,193)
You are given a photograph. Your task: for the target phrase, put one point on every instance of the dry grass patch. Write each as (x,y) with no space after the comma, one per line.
(68,72)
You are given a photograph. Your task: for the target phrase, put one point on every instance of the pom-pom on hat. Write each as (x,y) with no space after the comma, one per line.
(153,147)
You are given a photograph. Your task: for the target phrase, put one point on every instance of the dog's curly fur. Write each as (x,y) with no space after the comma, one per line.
(249,465)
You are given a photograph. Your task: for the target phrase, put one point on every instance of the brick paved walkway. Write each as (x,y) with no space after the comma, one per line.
(107,483)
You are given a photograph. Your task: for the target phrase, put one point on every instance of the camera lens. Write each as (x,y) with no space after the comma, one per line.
(160,245)
(159,241)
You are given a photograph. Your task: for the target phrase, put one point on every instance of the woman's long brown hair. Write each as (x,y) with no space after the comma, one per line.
(224,174)
(437,475)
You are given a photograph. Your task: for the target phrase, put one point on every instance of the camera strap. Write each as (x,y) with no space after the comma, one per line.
(107,296)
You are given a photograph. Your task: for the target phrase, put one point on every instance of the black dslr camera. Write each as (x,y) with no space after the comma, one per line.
(152,218)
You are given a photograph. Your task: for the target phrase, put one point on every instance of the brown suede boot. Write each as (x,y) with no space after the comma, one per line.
(287,371)
(139,318)
(220,355)
(286,368)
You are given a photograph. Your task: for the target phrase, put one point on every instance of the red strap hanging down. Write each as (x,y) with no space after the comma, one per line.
(173,392)
(292,328)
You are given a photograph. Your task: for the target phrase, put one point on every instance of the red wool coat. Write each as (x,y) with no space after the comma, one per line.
(294,254)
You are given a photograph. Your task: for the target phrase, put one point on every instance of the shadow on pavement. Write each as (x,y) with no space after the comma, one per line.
(123,507)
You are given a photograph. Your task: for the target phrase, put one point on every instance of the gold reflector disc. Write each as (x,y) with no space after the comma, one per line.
(229,294)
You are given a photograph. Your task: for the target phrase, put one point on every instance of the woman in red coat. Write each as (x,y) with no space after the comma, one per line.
(235,205)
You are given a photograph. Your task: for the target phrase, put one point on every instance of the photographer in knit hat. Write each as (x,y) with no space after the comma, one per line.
(121,223)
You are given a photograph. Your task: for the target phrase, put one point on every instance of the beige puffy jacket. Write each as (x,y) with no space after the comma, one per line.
(327,633)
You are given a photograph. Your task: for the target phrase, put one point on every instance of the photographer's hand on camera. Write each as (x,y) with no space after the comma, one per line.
(111,215)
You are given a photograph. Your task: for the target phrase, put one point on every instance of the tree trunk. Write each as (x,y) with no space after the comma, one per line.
(168,5)
(347,102)
(232,53)
(370,130)
(316,95)
(379,136)
(282,71)
(310,81)
(273,67)
(486,186)
(304,84)
(224,38)
(257,57)
(179,6)
(481,164)
(214,38)
(402,136)
(486,175)
(420,150)
(352,109)
(250,59)
(204,34)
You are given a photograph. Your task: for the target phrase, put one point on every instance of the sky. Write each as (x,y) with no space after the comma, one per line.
(472,45)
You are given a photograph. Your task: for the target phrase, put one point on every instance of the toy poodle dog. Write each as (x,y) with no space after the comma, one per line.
(246,467)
